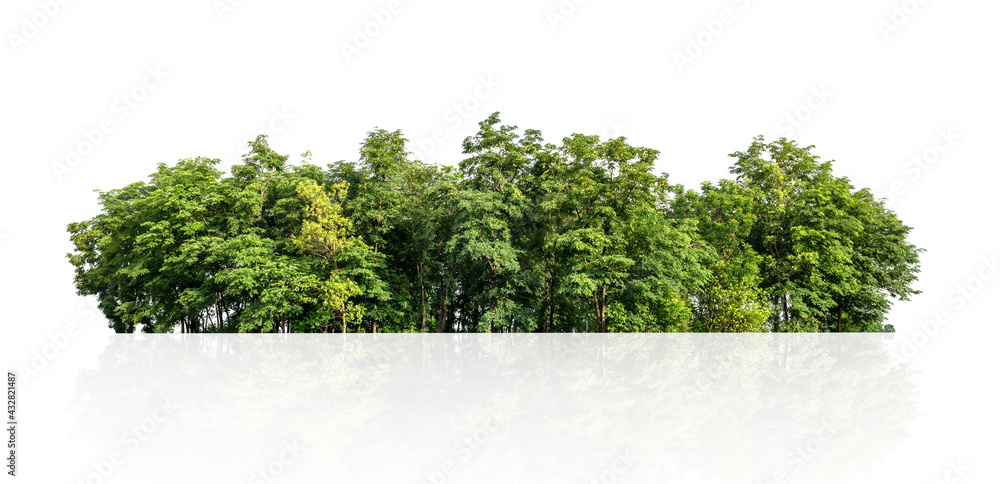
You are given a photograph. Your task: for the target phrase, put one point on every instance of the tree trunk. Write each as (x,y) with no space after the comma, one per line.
(784,304)
(600,307)
(218,313)
(548,323)
(423,298)
(444,305)
(604,308)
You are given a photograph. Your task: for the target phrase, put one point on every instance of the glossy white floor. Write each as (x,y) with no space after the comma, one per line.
(483,409)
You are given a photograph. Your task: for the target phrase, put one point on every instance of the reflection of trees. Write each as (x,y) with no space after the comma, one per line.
(235,397)
(728,406)
(391,408)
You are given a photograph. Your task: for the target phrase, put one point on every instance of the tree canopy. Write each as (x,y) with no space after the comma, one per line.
(522,236)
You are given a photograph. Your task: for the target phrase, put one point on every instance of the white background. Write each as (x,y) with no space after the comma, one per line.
(893,81)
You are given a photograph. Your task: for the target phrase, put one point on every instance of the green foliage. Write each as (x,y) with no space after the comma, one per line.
(831,256)
(523,236)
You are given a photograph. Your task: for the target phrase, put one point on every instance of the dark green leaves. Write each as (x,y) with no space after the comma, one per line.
(523,236)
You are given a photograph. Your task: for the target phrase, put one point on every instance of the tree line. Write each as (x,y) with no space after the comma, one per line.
(522,236)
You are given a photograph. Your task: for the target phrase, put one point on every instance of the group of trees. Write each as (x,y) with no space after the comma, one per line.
(521,236)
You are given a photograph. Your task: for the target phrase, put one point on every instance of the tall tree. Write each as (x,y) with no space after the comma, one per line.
(732,300)
(808,225)
(490,208)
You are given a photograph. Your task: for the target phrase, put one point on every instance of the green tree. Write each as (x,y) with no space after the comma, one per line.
(732,300)
(810,228)
(489,211)
(325,234)
(522,235)
(611,198)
